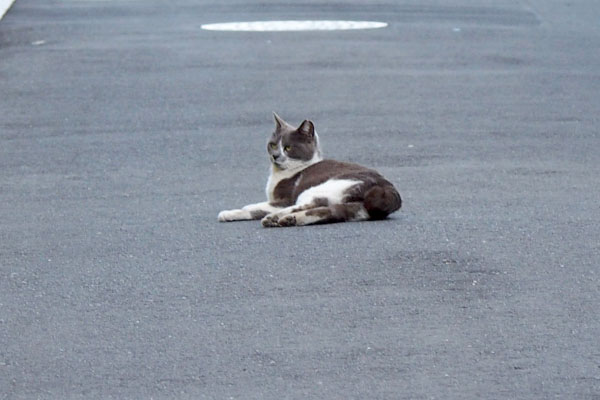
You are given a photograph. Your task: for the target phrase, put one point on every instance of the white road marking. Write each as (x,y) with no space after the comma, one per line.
(279,26)
(4,6)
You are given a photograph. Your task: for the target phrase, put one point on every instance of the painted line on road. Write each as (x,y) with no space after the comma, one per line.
(281,26)
(4,6)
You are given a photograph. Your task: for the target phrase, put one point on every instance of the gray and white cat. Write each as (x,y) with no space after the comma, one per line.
(305,189)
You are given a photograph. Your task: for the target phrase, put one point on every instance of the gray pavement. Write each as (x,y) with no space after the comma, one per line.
(124,129)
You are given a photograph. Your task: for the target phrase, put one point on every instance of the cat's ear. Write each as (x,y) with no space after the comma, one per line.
(307,128)
(279,122)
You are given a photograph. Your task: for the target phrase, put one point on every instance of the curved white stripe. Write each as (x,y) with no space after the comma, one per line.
(280,26)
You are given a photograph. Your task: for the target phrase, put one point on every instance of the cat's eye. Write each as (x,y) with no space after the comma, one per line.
(273,145)
(287,148)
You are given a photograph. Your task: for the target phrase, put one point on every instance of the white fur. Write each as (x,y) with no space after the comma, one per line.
(246,212)
(334,190)
(233,215)
(303,219)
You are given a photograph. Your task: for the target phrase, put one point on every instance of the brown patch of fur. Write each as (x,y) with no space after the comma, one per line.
(381,201)
(320,202)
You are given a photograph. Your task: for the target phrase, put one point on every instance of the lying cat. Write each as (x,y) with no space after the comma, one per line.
(304,189)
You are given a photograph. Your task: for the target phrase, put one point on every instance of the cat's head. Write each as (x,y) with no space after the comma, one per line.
(292,148)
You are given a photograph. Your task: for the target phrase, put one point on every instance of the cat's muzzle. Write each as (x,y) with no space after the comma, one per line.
(275,162)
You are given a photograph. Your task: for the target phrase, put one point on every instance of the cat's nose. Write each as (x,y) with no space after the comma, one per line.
(276,156)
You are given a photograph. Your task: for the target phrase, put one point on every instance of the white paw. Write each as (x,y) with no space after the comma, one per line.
(231,215)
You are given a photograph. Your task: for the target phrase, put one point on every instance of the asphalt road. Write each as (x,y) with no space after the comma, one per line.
(125,129)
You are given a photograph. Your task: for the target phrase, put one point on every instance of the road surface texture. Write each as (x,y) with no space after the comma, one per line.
(125,129)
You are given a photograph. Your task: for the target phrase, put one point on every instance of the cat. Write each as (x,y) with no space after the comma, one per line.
(305,189)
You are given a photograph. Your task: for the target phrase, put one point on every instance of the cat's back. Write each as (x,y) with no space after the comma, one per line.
(333,172)
(332,169)
(330,179)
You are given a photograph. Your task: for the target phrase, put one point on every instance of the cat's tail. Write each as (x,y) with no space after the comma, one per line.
(381,201)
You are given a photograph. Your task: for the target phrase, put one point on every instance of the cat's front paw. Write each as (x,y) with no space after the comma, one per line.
(274,220)
(270,221)
(230,215)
